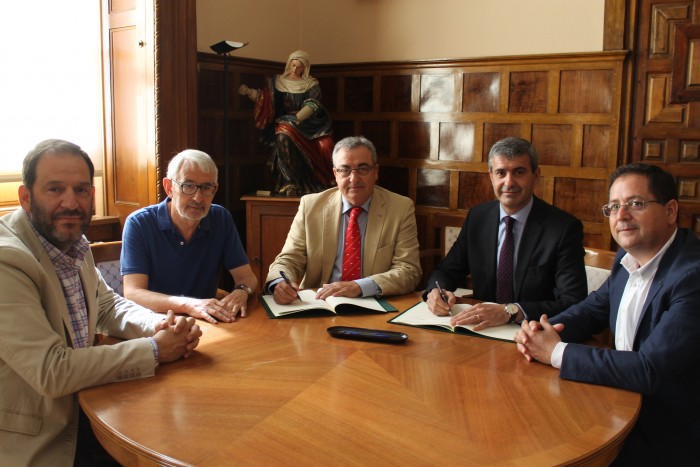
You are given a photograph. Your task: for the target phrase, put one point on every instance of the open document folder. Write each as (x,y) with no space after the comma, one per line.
(308,305)
(420,316)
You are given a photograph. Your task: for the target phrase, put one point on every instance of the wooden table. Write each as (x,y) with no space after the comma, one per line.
(283,392)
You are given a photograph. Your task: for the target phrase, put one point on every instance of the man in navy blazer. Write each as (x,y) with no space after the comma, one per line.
(549,273)
(651,303)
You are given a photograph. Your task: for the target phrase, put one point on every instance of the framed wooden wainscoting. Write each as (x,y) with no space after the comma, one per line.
(433,123)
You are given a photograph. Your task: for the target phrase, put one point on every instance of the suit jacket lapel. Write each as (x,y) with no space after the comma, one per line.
(489,241)
(375,226)
(531,235)
(331,227)
(617,288)
(659,279)
(37,248)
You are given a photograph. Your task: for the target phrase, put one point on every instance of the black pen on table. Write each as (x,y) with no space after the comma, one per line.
(442,294)
(289,283)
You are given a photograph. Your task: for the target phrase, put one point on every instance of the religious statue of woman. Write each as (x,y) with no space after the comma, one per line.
(288,110)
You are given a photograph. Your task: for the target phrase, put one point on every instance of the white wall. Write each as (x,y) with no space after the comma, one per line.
(340,31)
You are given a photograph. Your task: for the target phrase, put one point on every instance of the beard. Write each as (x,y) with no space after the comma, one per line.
(45,224)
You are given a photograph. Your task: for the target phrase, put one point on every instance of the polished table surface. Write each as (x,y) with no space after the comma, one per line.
(283,392)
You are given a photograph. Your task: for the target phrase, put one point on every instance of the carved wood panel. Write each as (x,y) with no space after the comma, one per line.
(666,117)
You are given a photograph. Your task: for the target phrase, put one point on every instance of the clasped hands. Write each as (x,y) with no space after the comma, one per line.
(481,315)
(176,337)
(284,293)
(536,339)
(213,310)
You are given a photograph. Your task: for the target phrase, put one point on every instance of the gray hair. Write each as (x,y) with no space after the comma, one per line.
(51,146)
(199,159)
(352,142)
(512,147)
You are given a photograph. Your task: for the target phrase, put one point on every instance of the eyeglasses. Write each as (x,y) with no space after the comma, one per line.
(191,188)
(632,206)
(345,172)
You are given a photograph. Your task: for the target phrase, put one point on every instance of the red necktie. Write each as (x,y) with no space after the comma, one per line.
(352,252)
(504,274)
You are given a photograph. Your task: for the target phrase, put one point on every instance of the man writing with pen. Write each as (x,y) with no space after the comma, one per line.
(525,256)
(353,240)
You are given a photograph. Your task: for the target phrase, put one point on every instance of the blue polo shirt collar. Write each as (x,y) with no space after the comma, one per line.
(165,222)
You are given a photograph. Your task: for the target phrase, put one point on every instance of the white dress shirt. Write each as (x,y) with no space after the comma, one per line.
(629,314)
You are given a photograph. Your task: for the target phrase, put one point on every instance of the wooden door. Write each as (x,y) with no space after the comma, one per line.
(128,49)
(666,110)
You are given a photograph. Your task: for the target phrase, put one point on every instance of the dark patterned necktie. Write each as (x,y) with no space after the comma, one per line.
(504,275)
(352,252)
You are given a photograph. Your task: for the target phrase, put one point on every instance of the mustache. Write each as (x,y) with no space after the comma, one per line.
(68,213)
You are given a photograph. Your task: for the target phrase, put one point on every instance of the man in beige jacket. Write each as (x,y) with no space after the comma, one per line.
(313,253)
(53,303)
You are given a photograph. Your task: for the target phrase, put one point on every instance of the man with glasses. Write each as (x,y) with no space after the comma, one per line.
(524,255)
(651,303)
(354,240)
(173,252)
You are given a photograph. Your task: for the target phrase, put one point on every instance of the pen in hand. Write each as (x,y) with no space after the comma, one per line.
(289,283)
(442,294)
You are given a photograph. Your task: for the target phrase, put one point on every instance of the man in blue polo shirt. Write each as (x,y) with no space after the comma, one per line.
(172,251)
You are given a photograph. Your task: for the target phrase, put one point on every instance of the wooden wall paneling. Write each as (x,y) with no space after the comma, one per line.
(666,118)
(481,92)
(433,147)
(456,141)
(528,91)
(396,95)
(615,30)
(685,83)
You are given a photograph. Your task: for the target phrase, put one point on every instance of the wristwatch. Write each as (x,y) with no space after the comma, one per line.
(244,288)
(512,310)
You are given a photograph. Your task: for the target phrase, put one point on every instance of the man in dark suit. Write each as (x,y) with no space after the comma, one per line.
(651,303)
(547,273)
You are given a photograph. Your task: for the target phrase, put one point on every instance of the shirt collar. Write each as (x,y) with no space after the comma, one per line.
(632,265)
(166,223)
(347,206)
(520,216)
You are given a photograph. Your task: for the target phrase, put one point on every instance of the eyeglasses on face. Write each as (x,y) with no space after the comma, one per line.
(191,188)
(635,205)
(345,172)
